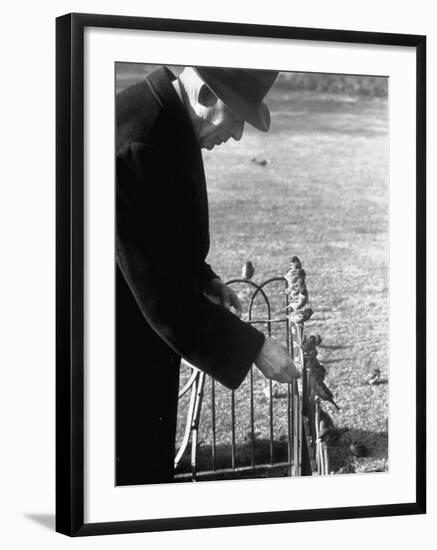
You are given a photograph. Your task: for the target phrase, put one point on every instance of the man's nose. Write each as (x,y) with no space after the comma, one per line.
(237,130)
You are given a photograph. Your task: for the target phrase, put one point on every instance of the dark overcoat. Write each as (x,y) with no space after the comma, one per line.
(162,314)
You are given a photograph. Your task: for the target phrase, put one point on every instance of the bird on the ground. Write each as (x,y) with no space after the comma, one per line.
(331,436)
(260,161)
(373,377)
(248,271)
(321,390)
(358,449)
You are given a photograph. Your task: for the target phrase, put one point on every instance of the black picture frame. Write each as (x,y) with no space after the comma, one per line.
(70,275)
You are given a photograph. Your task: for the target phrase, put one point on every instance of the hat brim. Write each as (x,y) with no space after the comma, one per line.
(256,114)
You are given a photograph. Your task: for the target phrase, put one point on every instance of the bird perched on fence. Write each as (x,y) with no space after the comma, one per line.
(296,286)
(301,315)
(331,436)
(295,276)
(295,264)
(248,271)
(373,377)
(325,421)
(321,390)
(358,449)
(315,368)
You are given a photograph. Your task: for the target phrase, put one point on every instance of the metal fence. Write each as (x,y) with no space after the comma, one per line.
(299,451)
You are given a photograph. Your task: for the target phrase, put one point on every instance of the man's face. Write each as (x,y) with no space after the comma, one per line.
(216,124)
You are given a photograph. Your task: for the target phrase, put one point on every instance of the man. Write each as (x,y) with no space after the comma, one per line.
(170,303)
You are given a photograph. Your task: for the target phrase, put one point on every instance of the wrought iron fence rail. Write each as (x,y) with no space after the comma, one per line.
(302,413)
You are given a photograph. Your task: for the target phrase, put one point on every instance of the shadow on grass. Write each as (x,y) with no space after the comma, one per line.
(243,455)
(335,346)
(376,456)
(340,456)
(338,360)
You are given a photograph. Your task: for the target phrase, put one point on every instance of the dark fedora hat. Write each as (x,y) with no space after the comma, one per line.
(242,90)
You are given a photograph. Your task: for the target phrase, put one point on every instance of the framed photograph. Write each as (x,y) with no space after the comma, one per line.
(240,274)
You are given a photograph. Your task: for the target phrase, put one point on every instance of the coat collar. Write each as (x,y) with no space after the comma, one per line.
(160,83)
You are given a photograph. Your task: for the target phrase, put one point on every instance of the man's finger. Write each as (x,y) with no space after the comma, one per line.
(294,372)
(237,304)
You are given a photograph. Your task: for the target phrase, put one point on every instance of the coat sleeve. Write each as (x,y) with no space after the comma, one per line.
(153,260)
(205,274)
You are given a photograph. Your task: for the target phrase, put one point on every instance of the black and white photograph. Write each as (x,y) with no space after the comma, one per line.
(240,228)
(252,283)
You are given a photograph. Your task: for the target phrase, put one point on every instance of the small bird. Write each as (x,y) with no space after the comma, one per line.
(320,389)
(315,368)
(331,436)
(295,263)
(260,161)
(309,345)
(248,271)
(325,421)
(358,449)
(295,275)
(296,285)
(318,339)
(373,377)
(301,315)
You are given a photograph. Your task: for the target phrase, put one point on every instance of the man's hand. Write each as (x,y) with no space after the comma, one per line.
(219,293)
(275,363)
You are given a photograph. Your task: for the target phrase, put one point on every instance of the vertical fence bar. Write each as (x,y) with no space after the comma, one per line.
(317,430)
(303,409)
(195,428)
(290,421)
(213,447)
(326,459)
(297,429)
(269,332)
(271,421)
(252,422)
(290,406)
(233,428)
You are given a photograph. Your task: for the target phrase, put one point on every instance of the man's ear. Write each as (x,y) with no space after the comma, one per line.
(206,97)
